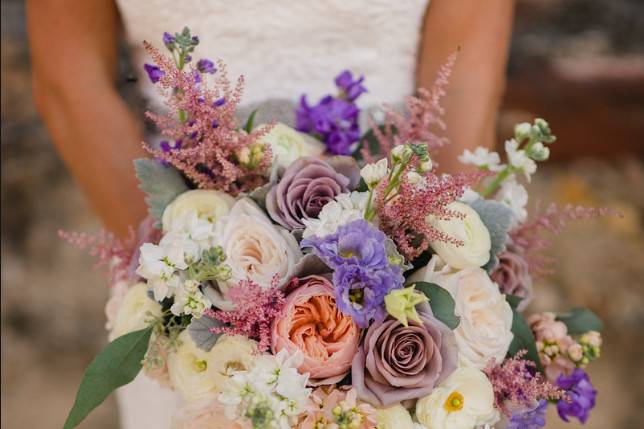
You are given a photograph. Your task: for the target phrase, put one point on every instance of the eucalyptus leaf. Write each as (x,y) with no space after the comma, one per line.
(523,340)
(161,183)
(497,218)
(199,330)
(117,365)
(250,122)
(441,303)
(581,320)
(513,300)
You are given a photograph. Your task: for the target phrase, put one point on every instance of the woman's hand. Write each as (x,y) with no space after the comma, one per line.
(74,59)
(480,31)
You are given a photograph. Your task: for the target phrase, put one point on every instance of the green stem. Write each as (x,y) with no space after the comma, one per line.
(500,177)
(368,211)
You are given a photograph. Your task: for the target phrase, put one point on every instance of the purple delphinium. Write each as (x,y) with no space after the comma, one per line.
(532,418)
(154,72)
(362,273)
(204,65)
(580,395)
(334,120)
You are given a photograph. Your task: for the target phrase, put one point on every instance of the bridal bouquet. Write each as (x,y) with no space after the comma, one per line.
(325,277)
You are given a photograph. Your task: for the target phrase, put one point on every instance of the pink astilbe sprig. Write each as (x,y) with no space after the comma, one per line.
(517,384)
(202,118)
(108,250)
(530,237)
(403,216)
(421,122)
(255,309)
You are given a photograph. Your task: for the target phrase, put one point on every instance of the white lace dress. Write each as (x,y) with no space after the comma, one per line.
(284,48)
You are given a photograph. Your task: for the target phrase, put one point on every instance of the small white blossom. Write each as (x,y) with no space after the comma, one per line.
(346,208)
(426,166)
(414,178)
(400,152)
(519,159)
(189,299)
(539,152)
(514,195)
(522,131)
(374,173)
(482,157)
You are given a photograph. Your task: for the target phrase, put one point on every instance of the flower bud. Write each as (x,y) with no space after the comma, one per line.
(426,166)
(522,131)
(414,178)
(401,304)
(539,152)
(401,153)
(374,173)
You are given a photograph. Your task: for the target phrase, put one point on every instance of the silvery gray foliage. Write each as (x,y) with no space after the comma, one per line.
(497,218)
(161,183)
(199,330)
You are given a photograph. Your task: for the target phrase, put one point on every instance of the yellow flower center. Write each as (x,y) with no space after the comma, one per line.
(200,365)
(454,402)
(346,254)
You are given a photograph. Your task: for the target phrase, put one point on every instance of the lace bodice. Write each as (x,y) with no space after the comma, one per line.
(286,48)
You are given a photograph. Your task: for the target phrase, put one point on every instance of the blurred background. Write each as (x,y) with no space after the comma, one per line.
(578,63)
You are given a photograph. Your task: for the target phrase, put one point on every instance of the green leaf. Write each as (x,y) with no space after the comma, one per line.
(513,300)
(581,320)
(162,184)
(369,139)
(441,302)
(523,340)
(250,121)
(117,365)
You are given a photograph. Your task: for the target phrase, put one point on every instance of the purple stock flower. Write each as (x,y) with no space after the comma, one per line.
(154,72)
(580,395)
(532,418)
(204,65)
(219,102)
(351,89)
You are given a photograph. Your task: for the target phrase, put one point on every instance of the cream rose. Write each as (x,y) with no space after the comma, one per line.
(463,401)
(255,248)
(470,230)
(288,145)
(197,374)
(394,417)
(208,204)
(135,311)
(484,331)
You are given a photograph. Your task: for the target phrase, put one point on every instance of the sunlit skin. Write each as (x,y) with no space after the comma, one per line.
(74,59)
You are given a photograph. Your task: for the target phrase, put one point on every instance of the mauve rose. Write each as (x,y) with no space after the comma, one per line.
(305,187)
(313,325)
(513,276)
(397,363)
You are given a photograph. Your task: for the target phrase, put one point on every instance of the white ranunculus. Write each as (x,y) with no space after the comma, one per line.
(136,311)
(374,173)
(463,401)
(484,331)
(394,417)
(346,208)
(207,204)
(255,248)
(197,374)
(288,145)
(475,238)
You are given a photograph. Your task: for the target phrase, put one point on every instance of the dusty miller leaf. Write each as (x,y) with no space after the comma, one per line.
(161,183)
(199,330)
(497,218)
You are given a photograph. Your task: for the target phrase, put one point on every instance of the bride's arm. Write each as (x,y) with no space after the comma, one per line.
(481,30)
(74,59)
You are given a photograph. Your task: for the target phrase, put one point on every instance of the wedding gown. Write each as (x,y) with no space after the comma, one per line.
(284,49)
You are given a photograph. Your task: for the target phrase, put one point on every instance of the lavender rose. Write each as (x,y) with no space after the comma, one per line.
(513,275)
(305,187)
(397,363)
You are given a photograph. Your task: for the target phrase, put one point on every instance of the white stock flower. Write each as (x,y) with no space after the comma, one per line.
(514,195)
(346,208)
(463,401)
(470,231)
(414,178)
(188,299)
(288,145)
(255,248)
(482,157)
(519,159)
(136,311)
(208,205)
(374,173)
(197,374)
(485,328)
(394,417)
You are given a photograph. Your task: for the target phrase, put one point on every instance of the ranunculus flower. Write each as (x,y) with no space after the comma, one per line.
(398,362)
(470,230)
(394,417)
(464,401)
(512,275)
(313,324)
(304,188)
(208,204)
(288,145)
(135,311)
(484,331)
(255,249)
(198,374)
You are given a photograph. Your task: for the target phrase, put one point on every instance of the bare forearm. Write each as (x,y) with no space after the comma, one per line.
(480,31)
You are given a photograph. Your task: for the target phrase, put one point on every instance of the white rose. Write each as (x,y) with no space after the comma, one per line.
(135,312)
(374,173)
(475,238)
(463,401)
(394,417)
(484,331)
(255,248)
(288,145)
(197,374)
(209,205)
